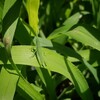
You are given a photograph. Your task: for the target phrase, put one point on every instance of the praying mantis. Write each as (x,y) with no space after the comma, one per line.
(37,50)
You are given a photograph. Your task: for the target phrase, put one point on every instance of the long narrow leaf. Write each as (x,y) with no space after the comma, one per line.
(32,7)
(84,36)
(67,25)
(8,83)
(29,90)
(10,13)
(92,70)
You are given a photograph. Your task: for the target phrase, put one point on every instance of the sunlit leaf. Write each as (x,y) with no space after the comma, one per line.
(84,36)
(32,7)
(28,90)
(71,21)
(8,83)
(56,63)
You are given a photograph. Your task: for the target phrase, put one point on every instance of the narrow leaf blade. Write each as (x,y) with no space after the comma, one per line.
(8,83)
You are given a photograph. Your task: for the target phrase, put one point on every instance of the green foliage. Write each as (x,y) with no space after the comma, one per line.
(49,50)
(32,7)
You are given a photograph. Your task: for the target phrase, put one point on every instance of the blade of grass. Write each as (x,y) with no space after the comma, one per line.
(32,7)
(71,21)
(92,70)
(28,91)
(79,82)
(11,12)
(82,35)
(8,83)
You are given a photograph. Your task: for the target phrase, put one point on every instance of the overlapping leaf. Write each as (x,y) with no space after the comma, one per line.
(7,85)
(67,25)
(56,63)
(84,36)
(32,7)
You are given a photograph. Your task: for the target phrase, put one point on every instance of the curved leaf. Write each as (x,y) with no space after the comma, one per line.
(71,21)
(84,36)
(55,62)
(28,89)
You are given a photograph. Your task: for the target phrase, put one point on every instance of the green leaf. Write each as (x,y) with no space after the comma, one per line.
(92,56)
(45,76)
(9,35)
(11,12)
(70,71)
(32,7)
(8,83)
(20,32)
(82,56)
(61,39)
(43,42)
(96,11)
(28,91)
(7,6)
(71,54)
(71,21)
(79,82)
(9,26)
(1,10)
(82,35)
(74,19)
(56,63)
(92,70)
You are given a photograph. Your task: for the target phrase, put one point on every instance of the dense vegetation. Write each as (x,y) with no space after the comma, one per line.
(49,49)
